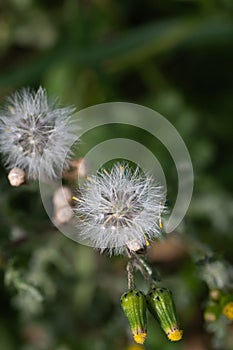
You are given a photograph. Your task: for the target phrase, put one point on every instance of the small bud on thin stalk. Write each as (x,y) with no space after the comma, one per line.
(16,177)
(62,196)
(63,215)
(133,303)
(161,305)
(78,167)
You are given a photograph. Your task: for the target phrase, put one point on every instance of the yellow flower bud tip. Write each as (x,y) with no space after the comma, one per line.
(228,310)
(175,334)
(140,338)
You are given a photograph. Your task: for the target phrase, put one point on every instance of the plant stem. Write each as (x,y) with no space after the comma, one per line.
(129,270)
(145,270)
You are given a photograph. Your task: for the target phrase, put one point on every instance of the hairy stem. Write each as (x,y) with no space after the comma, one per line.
(130,275)
(145,270)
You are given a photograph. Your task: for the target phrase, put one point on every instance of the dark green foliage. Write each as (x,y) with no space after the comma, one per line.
(172,56)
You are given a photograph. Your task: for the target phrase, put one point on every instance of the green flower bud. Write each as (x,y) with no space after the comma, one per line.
(161,305)
(133,303)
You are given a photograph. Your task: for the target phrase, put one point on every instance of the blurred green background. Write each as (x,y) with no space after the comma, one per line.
(172,56)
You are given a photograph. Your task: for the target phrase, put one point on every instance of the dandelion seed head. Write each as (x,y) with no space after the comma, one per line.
(119,209)
(35,133)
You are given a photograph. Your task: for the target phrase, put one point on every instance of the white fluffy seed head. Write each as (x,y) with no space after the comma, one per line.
(120,209)
(35,134)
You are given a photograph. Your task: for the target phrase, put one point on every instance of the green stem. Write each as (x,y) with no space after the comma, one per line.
(145,270)
(130,275)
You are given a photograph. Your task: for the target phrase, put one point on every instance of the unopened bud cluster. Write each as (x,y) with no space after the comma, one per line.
(160,303)
(62,201)
(219,303)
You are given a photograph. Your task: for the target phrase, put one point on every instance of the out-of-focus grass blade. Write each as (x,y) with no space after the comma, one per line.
(133,46)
